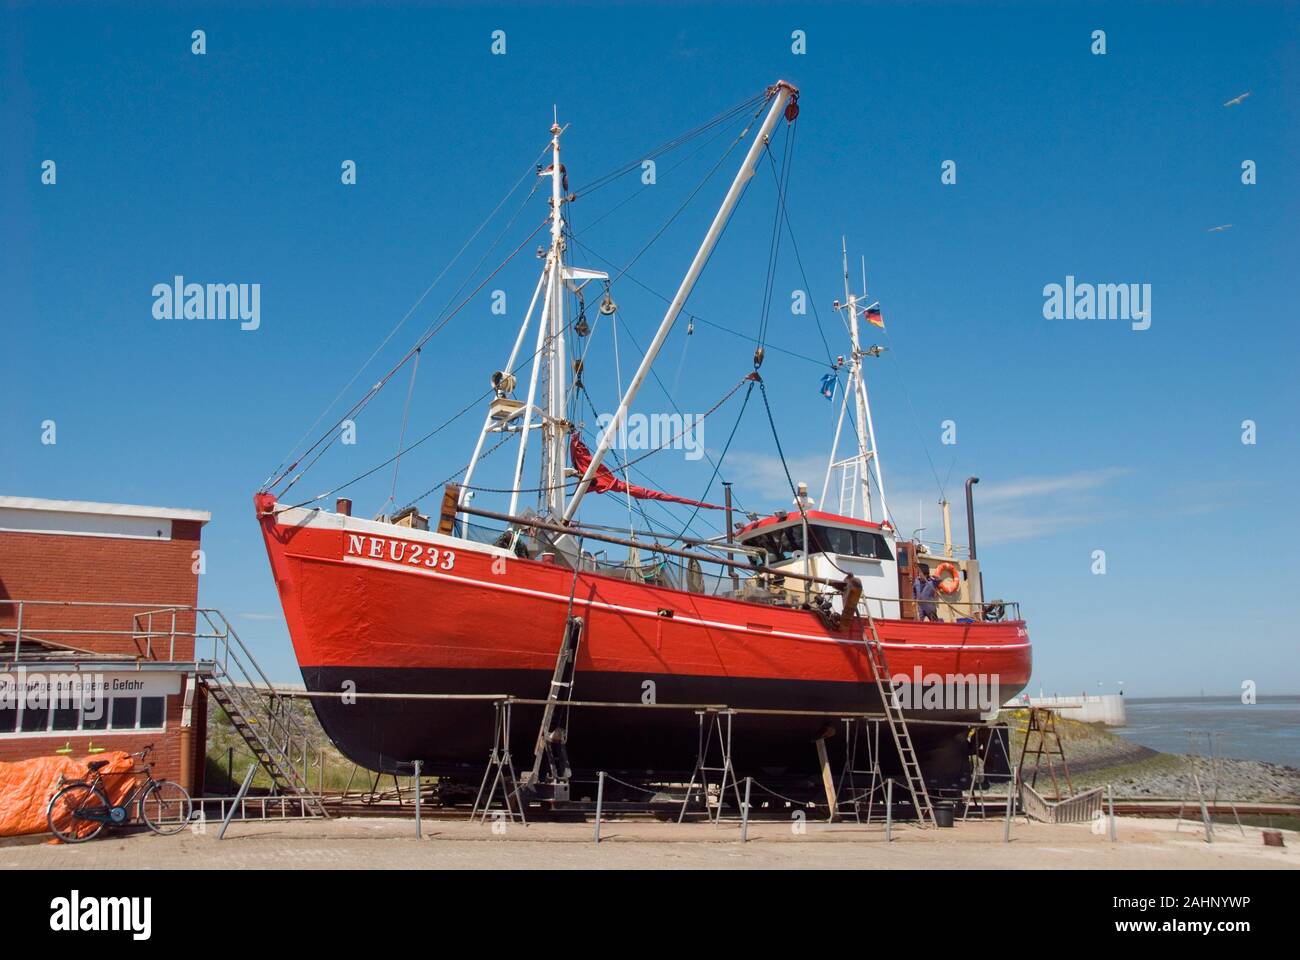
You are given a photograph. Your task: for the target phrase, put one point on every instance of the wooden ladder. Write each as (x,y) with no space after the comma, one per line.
(898,725)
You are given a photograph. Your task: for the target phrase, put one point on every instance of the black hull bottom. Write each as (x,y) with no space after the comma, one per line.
(453,738)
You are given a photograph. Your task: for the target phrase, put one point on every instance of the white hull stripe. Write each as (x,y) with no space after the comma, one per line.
(649,614)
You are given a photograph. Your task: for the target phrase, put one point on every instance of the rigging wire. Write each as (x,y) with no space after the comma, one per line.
(531,170)
(730,437)
(664,390)
(774,244)
(331,435)
(373,470)
(401,436)
(916,422)
(629,463)
(695,316)
(646,186)
(794,244)
(672,144)
(689,197)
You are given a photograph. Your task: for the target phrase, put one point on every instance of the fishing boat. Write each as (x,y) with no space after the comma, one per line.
(413,628)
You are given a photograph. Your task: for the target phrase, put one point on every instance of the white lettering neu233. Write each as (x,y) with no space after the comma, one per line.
(400,551)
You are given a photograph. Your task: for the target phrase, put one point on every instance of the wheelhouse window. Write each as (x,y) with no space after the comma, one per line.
(780,544)
(850,543)
(787,542)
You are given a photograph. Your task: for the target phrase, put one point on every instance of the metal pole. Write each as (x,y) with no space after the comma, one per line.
(509,368)
(744,813)
(970,516)
(781,96)
(731,532)
(557,371)
(1110,802)
(889,810)
(600,801)
(1011,805)
(835,445)
(238,801)
(527,427)
(875,457)
(417,799)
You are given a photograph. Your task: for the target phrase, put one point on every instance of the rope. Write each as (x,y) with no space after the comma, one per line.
(780,796)
(631,786)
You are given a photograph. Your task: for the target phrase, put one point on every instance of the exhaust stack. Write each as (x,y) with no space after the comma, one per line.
(970,515)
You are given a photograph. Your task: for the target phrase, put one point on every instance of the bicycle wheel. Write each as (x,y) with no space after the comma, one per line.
(67,811)
(166,807)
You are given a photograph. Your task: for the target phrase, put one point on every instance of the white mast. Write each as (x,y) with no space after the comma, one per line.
(549,362)
(856,469)
(781,93)
(554,429)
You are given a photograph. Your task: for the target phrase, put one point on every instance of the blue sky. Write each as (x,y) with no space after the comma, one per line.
(1087,435)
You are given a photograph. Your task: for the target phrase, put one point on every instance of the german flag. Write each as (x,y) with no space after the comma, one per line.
(873,317)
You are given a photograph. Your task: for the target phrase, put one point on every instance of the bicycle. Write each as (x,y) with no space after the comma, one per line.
(80,810)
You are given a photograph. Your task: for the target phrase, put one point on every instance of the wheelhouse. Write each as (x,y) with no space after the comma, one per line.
(828,545)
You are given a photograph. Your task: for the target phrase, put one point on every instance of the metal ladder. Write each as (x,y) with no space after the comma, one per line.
(898,725)
(261,716)
(849,478)
(552,739)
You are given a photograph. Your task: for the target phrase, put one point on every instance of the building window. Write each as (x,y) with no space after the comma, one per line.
(123,714)
(151,712)
(33,719)
(117,714)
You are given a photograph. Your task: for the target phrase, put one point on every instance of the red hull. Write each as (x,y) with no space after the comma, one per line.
(416,612)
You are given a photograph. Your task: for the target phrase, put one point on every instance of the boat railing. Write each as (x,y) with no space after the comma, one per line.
(715,568)
(965,610)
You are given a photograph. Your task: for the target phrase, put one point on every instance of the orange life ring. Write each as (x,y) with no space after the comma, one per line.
(949,578)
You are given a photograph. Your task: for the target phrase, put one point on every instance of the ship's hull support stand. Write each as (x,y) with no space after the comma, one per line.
(714,724)
(858,730)
(500,773)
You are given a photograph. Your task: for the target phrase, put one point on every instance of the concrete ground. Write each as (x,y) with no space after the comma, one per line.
(379,843)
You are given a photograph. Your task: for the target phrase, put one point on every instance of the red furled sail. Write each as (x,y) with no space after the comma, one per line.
(604,481)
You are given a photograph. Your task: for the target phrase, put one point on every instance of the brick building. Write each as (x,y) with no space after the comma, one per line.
(97,629)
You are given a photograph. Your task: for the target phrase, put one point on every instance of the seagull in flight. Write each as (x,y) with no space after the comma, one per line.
(1237,99)
(1219,229)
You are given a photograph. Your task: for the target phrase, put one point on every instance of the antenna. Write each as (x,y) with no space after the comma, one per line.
(856,468)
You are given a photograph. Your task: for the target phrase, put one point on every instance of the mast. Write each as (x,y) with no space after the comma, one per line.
(549,363)
(554,429)
(782,93)
(859,467)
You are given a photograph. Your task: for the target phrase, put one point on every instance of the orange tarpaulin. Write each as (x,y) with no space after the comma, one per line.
(26,787)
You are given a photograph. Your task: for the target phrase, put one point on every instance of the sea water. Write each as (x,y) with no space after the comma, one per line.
(1266,730)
